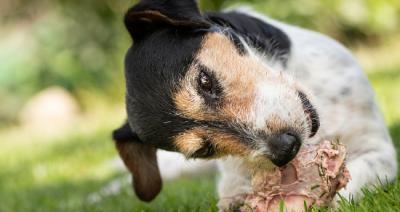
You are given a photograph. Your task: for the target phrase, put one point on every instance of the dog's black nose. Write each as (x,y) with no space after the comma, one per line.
(284,148)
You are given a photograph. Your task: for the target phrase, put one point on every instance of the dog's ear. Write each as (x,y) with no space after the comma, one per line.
(141,161)
(149,15)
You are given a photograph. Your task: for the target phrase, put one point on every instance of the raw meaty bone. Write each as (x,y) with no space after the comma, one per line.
(312,178)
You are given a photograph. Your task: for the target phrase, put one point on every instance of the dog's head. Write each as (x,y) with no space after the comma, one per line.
(199,89)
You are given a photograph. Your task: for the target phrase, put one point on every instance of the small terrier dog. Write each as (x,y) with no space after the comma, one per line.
(240,86)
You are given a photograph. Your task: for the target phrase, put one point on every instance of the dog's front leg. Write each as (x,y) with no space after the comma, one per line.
(233,184)
(373,162)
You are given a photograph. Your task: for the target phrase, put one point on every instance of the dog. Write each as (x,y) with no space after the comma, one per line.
(238,86)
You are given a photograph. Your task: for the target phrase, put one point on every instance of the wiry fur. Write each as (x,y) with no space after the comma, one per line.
(346,106)
(271,79)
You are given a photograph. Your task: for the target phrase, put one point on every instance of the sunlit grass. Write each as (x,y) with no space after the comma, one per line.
(60,173)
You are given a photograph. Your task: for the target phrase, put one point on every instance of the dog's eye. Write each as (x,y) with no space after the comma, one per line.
(205,82)
(208,86)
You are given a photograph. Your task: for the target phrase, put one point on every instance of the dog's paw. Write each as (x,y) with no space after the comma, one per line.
(231,203)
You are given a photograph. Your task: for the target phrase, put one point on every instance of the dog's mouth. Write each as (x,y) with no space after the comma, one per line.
(313,177)
(311,113)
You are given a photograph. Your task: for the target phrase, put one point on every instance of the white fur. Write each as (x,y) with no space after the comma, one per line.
(325,67)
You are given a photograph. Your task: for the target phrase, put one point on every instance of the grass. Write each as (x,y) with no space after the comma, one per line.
(59,173)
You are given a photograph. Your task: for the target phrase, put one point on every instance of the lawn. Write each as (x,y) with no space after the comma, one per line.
(62,172)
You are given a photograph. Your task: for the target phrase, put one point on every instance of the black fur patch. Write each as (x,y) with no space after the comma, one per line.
(310,112)
(154,69)
(186,10)
(125,134)
(237,42)
(262,36)
(150,15)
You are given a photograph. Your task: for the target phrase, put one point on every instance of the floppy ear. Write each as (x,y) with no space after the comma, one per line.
(149,15)
(141,161)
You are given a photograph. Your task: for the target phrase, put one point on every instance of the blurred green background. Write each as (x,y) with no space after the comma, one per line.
(70,52)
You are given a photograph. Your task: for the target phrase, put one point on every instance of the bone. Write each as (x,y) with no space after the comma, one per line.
(311,179)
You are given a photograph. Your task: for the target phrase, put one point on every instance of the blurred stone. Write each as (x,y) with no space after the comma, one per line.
(49,111)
